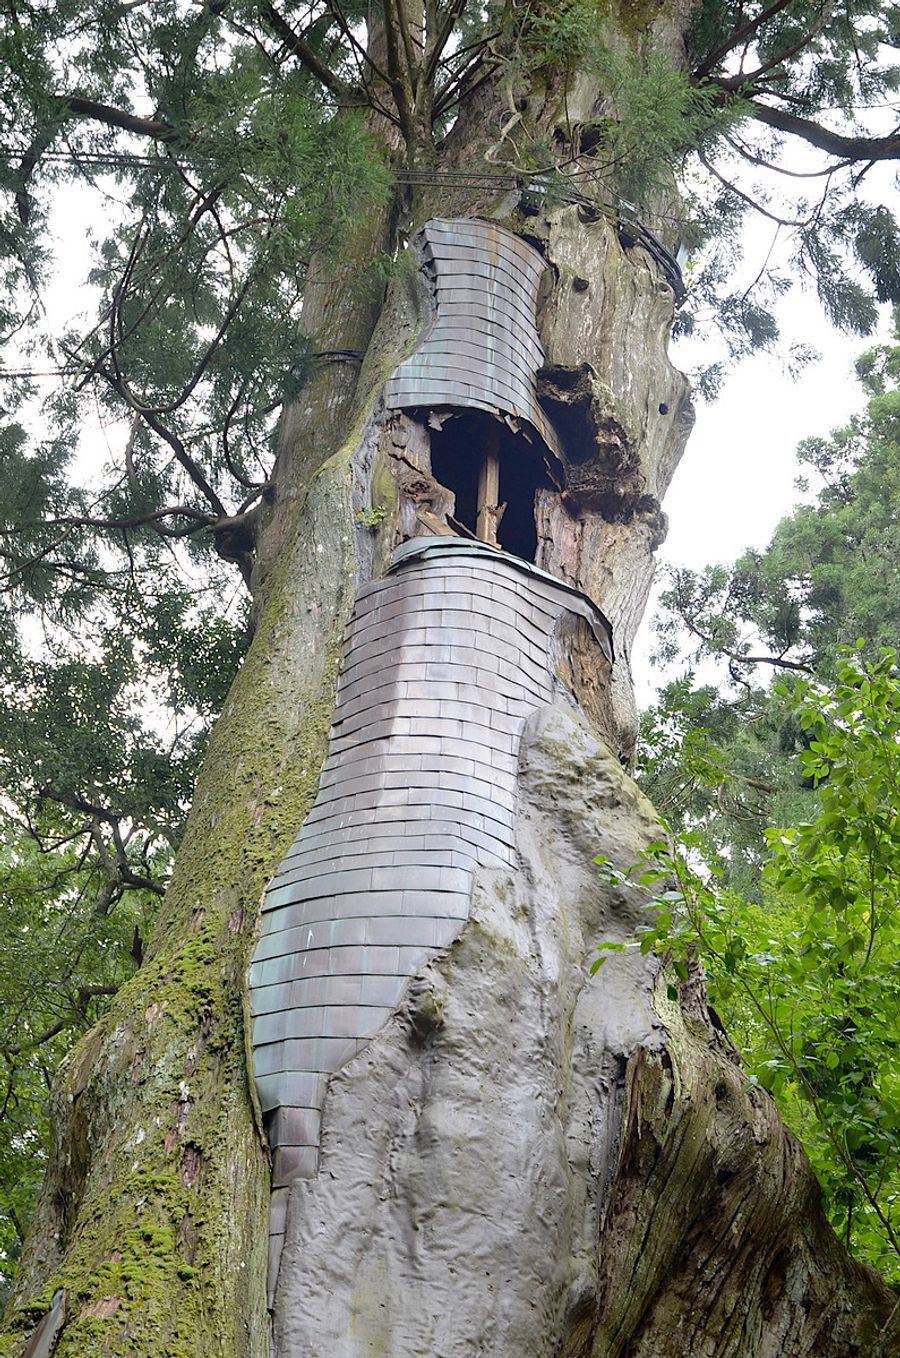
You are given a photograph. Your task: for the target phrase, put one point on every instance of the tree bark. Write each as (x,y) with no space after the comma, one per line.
(524,1161)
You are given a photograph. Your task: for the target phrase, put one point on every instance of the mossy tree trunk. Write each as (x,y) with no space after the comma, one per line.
(684,1220)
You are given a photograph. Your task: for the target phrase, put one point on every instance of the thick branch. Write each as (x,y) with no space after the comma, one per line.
(409,46)
(27,167)
(307,55)
(437,42)
(398,85)
(157,128)
(76,803)
(748,155)
(834,143)
(738,36)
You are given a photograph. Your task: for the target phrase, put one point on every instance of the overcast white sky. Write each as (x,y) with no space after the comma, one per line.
(736,479)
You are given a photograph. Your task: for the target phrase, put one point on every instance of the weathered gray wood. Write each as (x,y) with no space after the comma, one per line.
(489,511)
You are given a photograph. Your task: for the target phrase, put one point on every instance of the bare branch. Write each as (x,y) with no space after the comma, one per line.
(748,155)
(16,1048)
(715,648)
(127,521)
(157,128)
(89,992)
(364,61)
(833,143)
(118,383)
(739,36)
(307,55)
(745,197)
(85,993)
(22,566)
(26,168)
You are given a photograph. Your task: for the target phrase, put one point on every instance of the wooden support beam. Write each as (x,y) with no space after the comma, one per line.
(489,510)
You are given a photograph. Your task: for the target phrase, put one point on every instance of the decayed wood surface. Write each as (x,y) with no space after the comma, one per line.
(715,1241)
(489,508)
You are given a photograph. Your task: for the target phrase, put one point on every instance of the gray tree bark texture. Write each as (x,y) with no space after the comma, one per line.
(525,1161)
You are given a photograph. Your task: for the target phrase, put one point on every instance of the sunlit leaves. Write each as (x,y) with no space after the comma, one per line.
(808,978)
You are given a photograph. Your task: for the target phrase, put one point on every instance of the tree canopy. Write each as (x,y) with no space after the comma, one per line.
(805,976)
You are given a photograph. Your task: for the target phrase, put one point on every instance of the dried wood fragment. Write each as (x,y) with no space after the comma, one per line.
(490,511)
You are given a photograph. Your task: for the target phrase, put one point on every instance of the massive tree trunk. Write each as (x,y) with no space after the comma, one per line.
(520,1160)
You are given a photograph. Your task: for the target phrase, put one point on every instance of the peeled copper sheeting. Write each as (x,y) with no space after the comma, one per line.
(482,349)
(444,660)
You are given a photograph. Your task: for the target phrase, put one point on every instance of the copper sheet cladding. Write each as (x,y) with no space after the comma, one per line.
(444,660)
(482,348)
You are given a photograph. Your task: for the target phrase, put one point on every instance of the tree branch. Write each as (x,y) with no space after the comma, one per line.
(119,384)
(413,66)
(157,128)
(307,55)
(186,461)
(85,993)
(27,166)
(737,36)
(439,40)
(745,197)
(16,1048)
(833,143)
(89,992)
(463,84)
(361,52)
(396,82)
(76,803)
(776,661)
(202,520)
(753,159)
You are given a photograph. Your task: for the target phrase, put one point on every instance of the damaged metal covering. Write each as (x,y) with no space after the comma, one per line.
(482,349)
(570,599)
(445,658)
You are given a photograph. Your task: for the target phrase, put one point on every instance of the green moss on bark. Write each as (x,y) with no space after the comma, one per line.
(154,1214)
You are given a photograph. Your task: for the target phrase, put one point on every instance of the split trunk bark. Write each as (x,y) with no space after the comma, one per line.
(525,1161)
